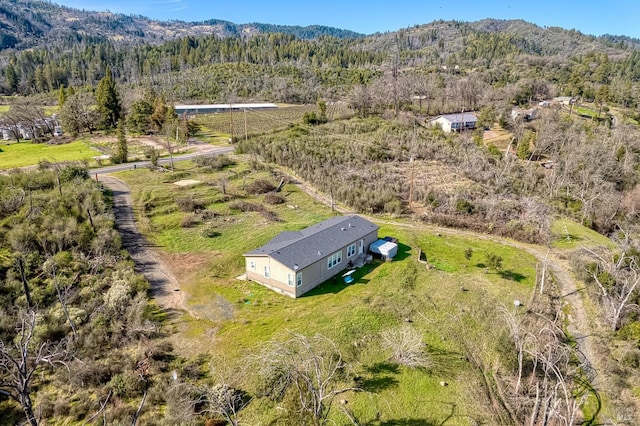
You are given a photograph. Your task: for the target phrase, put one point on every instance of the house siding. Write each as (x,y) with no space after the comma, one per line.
(277,274)
(312,275)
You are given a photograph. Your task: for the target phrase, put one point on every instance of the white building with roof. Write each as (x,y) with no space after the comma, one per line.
(455,122)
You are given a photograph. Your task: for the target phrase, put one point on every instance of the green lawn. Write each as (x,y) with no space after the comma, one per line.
(455,303)
(28,154)
(568,234)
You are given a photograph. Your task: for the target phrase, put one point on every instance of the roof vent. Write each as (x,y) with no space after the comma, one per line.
(319,253)
(344,229)
(350,225)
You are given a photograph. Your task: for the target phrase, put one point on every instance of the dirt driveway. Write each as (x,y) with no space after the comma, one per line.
(165,288)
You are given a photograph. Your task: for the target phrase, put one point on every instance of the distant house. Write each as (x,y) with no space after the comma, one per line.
(564,100)
(213,108)
(455,122)
(525,114)
(294,262)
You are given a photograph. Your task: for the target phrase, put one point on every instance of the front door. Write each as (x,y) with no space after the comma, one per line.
(361,247)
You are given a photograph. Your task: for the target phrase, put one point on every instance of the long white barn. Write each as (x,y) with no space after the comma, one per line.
(212,108)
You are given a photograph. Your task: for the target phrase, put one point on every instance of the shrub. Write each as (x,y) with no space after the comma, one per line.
(260,186)
(206,214)
(126,385)
(244,206)
(273,198)
(214,162)
(464,207)
(188,221)
(188,204)
(210,232)
(73,172)
(494,261)
(631,359)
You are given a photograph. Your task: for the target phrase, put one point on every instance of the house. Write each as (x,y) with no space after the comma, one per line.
(564,100)
(213,108)
(525,114)
(294,262)
(454,122)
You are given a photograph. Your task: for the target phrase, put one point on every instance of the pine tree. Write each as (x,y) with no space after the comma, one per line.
(108,101)
(62,96)
(123,150)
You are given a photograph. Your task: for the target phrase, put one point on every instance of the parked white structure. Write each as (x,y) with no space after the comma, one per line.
(455,122)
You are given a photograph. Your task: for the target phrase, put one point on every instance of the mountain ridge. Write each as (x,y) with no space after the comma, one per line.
(34,23)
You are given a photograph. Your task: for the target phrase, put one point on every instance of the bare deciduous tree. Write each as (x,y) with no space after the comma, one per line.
(406,346)
(617,278)
(21,360)
(224,401)
(311,367)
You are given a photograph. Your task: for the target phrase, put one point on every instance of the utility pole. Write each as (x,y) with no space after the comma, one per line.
(394,72)
(411,160)
(231,120)
(246,134)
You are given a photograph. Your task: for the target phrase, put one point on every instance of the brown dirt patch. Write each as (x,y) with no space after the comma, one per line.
(186,265)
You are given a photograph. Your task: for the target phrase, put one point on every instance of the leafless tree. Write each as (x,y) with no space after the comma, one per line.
(361,100)
(406,346)
(224,401)
(312,367)
(617,277)
(551,393)
(20,360)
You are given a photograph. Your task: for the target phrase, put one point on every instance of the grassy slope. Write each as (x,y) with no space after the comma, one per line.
(28,154)
(236,317)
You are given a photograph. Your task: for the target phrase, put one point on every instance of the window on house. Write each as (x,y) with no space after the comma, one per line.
(299,279)
(351,250)
(266,272)
(334,259)
(290,280)
(252,265)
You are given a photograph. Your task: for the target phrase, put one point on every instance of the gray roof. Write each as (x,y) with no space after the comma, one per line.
(299,249)
(464,117)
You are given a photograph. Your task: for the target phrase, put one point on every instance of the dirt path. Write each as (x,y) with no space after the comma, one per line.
(165,288)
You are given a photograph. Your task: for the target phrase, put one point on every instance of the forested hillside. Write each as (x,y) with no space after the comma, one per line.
(35,23)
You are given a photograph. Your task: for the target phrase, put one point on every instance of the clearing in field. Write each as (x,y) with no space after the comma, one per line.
(455,305)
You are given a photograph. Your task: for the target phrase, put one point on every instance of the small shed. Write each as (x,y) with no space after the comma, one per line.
(384,248)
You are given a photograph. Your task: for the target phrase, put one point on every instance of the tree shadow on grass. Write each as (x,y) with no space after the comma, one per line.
(512,276)
(382,377)
(446,364)
(408,422)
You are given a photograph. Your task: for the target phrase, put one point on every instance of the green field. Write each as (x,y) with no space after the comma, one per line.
(568,234)
(28,154)
(235,318)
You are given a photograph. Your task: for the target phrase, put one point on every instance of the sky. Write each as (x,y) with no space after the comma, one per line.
(595,17)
